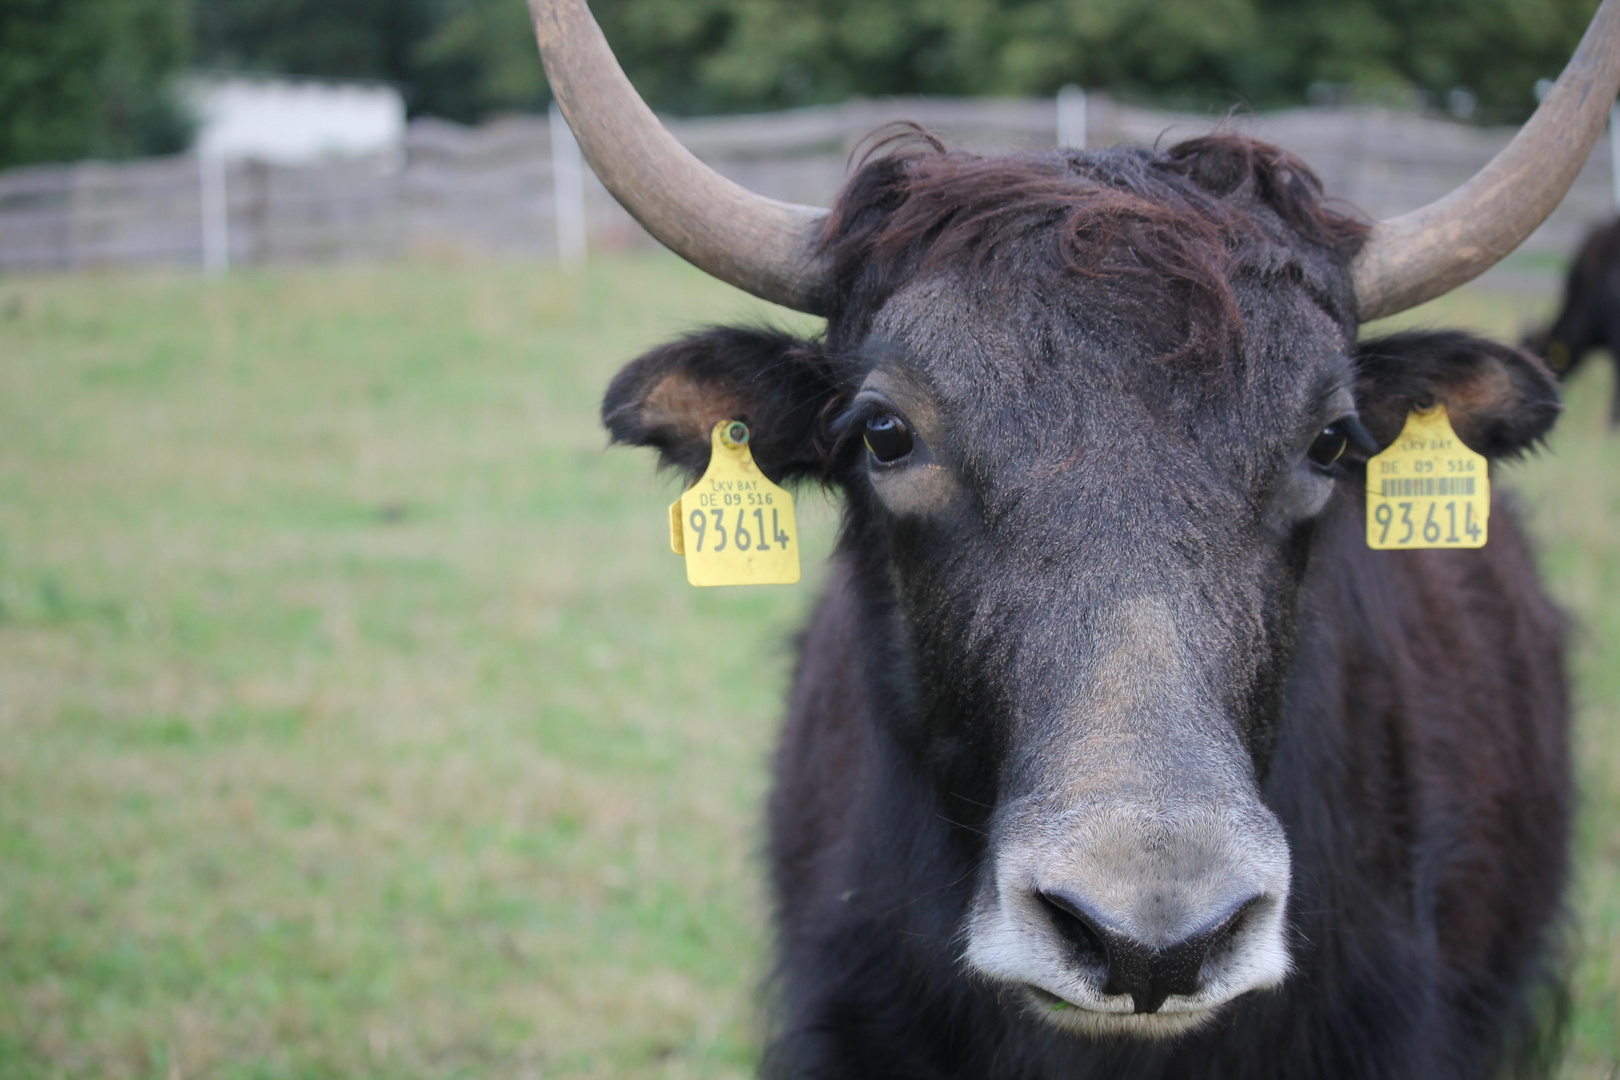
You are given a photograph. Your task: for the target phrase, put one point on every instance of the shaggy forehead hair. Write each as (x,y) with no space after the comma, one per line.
(1170,229)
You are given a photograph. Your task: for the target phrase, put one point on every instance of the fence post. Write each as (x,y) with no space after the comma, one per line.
(216,214)
(1614,151)
(567,190)
(1071,117)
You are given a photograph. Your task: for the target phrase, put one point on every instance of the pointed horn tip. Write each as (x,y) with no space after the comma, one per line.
(763,246)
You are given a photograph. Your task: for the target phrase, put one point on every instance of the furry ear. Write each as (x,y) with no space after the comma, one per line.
(1501,400)
(780,386)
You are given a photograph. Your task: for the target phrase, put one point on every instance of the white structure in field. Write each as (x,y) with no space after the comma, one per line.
(287,122)
(295,121)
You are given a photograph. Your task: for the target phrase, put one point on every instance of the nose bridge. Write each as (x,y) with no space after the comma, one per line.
(1134,762)
(1134,866)
(1135,859)
(1131,713)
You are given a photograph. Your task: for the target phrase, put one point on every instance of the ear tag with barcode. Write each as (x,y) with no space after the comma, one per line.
(1427,489)
(734,526)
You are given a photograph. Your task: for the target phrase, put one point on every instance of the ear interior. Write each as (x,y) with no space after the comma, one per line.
(780,386)
(1501,400)
(677,413)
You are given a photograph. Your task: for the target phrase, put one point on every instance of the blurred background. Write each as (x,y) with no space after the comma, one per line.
(94,77)
(355,719)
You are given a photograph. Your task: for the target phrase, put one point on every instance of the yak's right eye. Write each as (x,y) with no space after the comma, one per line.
(887,437)
(1330,444)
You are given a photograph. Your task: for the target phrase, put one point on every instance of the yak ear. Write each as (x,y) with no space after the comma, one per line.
(1501,400)
(783,388)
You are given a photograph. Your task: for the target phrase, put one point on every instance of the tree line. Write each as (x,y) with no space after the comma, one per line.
(96,77)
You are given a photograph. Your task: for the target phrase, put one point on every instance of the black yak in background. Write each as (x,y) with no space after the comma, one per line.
(1590,316)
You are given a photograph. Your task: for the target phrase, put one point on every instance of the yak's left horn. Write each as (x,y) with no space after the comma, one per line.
(758,244)
(1430,251)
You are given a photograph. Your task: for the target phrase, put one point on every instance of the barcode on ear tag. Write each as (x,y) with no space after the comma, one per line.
(734,526)
(1427,489)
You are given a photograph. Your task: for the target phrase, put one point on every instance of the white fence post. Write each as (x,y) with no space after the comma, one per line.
(1071,117)
(567,190)
(216,214)
(1614,150)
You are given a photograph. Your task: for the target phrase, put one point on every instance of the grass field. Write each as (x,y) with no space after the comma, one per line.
(355,719)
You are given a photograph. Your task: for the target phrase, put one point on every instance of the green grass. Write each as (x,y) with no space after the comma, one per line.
(355,719)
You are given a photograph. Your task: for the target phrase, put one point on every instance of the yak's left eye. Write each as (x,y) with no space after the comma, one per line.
(1331,443)
(887,437)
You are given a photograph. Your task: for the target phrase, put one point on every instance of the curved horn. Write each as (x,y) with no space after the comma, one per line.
(1432,250)
(758,244)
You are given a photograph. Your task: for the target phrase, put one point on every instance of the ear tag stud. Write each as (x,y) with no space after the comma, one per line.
(734,526)
(1427,490)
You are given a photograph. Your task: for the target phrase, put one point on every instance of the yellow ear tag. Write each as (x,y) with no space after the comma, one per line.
(1427,490)
(734,526)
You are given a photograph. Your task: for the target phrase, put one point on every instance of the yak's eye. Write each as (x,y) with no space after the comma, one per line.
(887,437)
(1331,443)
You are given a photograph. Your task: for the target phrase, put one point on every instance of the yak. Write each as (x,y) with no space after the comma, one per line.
(1112,749)
(1590,315)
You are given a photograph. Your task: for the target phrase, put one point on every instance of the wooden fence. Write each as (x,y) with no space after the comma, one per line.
(487,191)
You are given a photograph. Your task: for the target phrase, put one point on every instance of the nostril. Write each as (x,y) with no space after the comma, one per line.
(1149,973)
(1091,947)
(1219,940)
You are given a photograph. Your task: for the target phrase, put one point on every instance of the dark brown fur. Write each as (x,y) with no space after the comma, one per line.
(1406,712)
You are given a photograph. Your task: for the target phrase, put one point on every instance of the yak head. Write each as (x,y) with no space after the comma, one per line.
(1092,416)
(1086,413)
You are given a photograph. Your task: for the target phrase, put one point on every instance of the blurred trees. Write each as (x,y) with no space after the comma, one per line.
(466,58)
(85,76)
(725,54)
(460,59)
(456,58)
